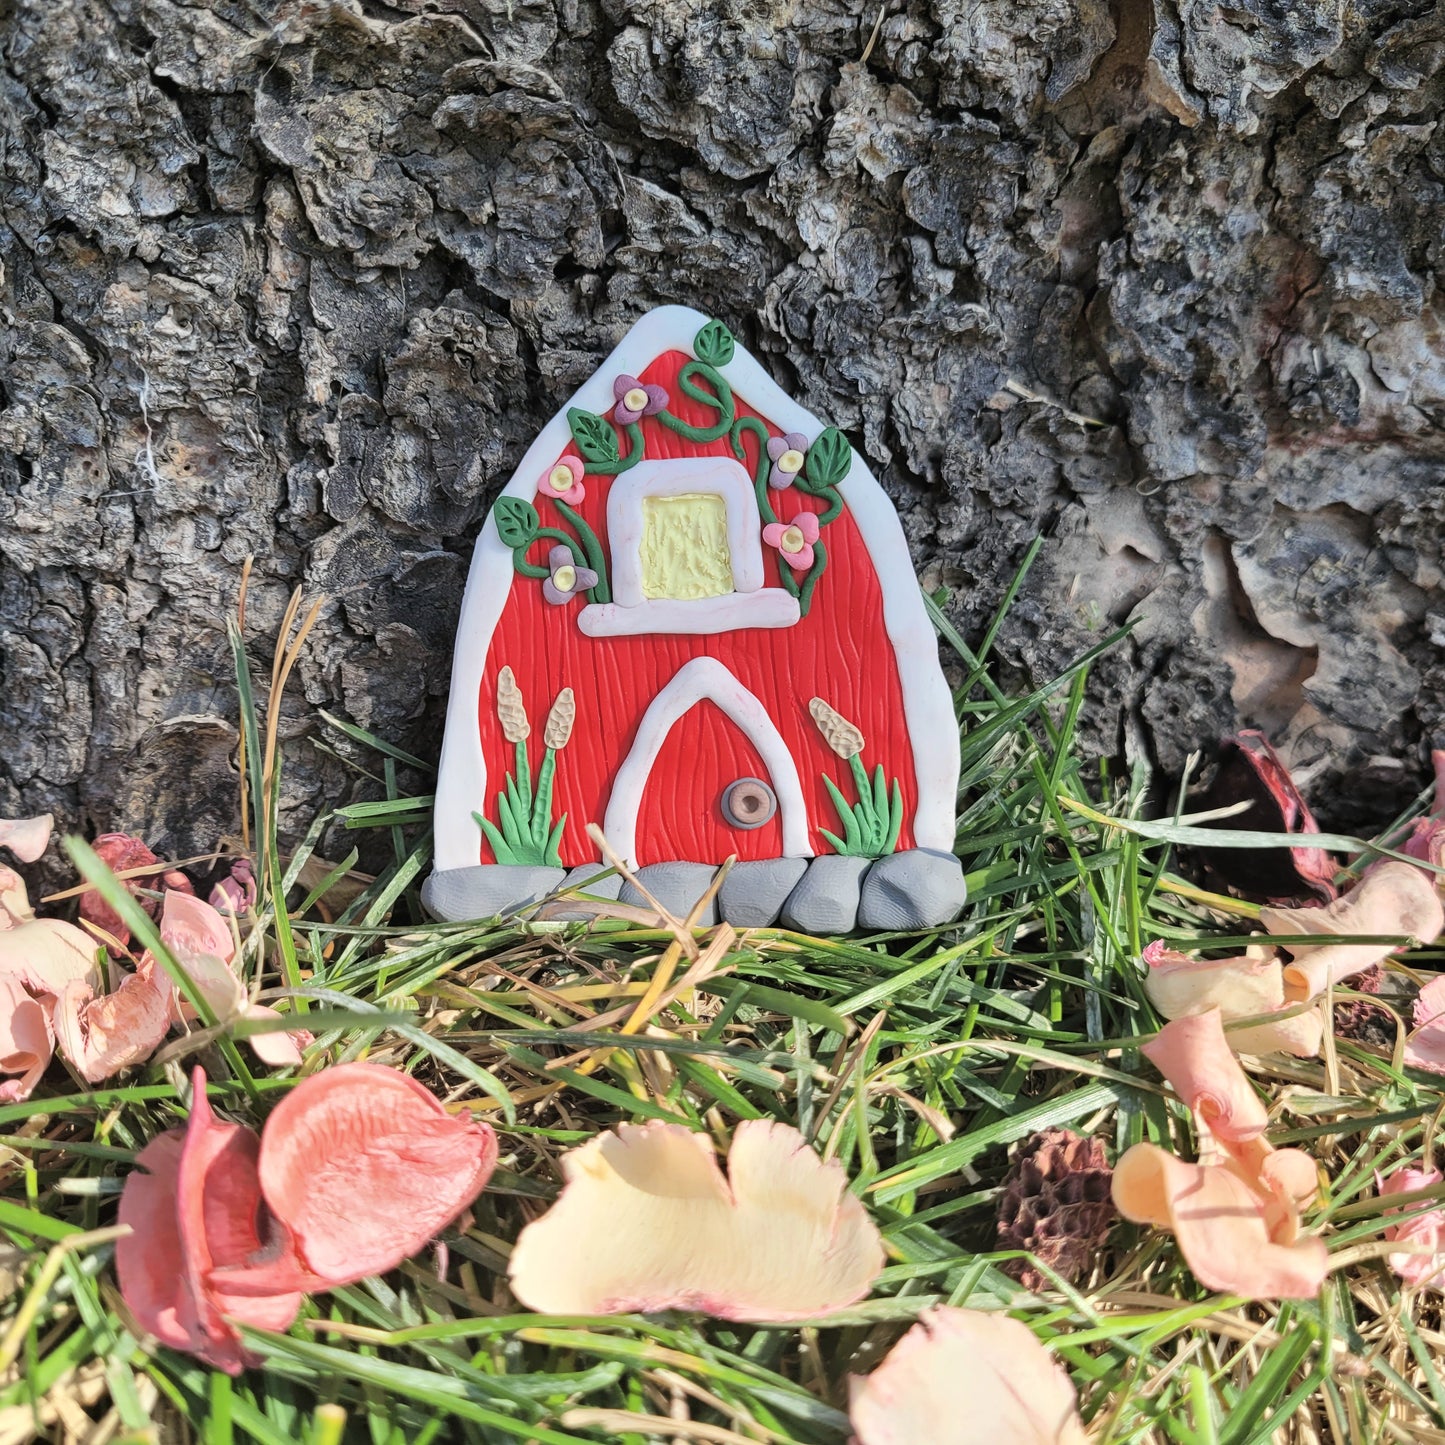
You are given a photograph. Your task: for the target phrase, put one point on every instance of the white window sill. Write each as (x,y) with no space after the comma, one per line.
(767,607)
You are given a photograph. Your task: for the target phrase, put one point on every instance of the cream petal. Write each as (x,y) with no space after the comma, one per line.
(26,1042)
(47,955)
(1300,1035)
(960,1377)
(277,1049)
(647,1221)
(1221,1223)
(1239,987)
(1391,897)
(26,838)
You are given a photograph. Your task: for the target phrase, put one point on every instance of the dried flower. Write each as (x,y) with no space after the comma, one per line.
(787,454)
(840,735)
(120,852)
(511,709)
(560,720)
(1250,770)
(635,401)
(26,838)
(794,540)
(962,1377)
(1365,1022)
(1237,1217)
(1056,1205)
(355,1170)
(646,1221)
(235,890)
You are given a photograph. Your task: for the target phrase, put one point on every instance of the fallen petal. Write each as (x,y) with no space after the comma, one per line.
(1193,1054)
(1425,1048)
(45,954)
(26,838)
(25,1039)
(277,1049)
(363,1166)
(1391,898)
(1417,1268)
(648,1222)
(961,1377)
(219,1210)
(1221,1223)
(149,1260)
(189,926)
(105,1034)
(120,853)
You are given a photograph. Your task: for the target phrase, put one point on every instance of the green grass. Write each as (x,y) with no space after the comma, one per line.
(916,1060)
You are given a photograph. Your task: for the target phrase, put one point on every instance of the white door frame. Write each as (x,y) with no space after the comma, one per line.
(705,677)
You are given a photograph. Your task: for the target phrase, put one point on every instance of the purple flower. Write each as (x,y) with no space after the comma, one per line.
(567,578)
(635,400)
(787,453)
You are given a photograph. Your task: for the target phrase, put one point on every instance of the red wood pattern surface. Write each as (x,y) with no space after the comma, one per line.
(839,651)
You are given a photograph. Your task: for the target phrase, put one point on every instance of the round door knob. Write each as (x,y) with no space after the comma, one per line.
(748,803)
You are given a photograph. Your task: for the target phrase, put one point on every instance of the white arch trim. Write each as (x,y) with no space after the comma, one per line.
(927,703)
(704,677)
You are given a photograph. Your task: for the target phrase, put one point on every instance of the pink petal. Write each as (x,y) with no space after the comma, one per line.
(189,926)
(218,1205)
(1222,1224)
(807,524)
(1428,1229)
(15,906)
(25,1038)
(277,1049)
(1193,1054)
(26,838)
(773,534)
(103,1035)
(150,1260)
(960,1377)
(801,559)
(647,1222)
(363,1166)
(1392,897)
(47,956)
(120,852)
(1425,1048)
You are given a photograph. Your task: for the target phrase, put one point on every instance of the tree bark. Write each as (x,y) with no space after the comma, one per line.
(301,280)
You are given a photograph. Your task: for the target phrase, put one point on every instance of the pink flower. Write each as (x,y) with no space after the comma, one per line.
(794,539)
(120,853)
(787,454)
(634,400)
(356,1169)
(1428,1266)
(564,482)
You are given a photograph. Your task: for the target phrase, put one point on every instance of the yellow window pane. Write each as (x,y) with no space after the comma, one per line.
(685,546)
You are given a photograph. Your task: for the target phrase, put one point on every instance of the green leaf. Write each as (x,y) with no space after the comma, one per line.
(829,459)
(714,344)
(594,437)
(516,521)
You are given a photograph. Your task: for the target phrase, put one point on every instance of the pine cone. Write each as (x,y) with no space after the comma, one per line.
(1366,1023)
(1056,1204)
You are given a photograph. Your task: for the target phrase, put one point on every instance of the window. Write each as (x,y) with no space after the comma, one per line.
(687,553)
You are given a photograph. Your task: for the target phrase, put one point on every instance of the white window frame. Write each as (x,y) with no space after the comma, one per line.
(749,604)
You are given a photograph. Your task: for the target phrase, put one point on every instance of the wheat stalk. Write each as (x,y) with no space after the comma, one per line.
(840,735)
(560,720)
(511,709)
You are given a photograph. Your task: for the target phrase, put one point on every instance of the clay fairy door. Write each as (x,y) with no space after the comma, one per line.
(692,621)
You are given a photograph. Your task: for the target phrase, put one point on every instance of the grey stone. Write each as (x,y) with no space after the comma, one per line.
(753,894)
(919,888)
(677,886)
(826,900)
(581,877)
(488,890)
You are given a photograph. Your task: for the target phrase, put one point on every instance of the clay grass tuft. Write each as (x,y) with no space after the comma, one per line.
(921,1062)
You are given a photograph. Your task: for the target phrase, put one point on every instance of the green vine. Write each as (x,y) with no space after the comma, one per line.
(593,548)
(519,526)
(722,403)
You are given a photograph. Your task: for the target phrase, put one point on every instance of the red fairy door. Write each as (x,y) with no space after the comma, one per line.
(708,775)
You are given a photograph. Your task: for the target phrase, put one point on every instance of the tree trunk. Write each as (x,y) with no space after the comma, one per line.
(302,279)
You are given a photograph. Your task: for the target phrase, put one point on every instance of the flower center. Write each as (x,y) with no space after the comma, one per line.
(793,540)
(564,579)
(635,399)
(560,478)
(790,461)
